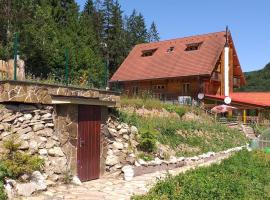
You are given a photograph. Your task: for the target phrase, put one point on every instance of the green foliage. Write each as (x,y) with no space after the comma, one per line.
(148,141)
(146,157)
(203,136)
(243,176)
(146,101)
(46,28)
(16,163)
(257,80)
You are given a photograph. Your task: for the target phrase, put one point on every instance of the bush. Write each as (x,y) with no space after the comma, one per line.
(146,157)
(180,110)
(16,163)
(148,141)
(245,175)
(3,174)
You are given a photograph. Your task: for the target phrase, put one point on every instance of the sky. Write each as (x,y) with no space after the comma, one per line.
(248,21)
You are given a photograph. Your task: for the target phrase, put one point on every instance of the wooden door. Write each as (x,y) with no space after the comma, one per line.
(88,153)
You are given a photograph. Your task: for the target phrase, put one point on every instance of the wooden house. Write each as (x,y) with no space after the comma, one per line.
(186,66)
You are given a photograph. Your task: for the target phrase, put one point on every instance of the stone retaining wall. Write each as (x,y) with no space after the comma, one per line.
(33,126)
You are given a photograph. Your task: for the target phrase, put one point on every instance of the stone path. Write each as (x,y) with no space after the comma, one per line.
(117,189)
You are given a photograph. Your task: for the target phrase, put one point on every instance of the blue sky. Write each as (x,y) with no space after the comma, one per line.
(248,20)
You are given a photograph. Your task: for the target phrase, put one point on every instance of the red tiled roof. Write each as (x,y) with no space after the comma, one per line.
(253,98)
(175,64)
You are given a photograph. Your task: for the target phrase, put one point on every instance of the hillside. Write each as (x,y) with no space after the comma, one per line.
(258,80)
(171,130)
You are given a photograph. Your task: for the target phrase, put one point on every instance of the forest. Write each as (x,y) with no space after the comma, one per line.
(258,81)
(53,32)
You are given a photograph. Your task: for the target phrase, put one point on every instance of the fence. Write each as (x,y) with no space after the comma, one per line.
(14,69)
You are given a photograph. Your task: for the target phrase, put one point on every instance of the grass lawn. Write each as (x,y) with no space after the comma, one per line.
(245,175)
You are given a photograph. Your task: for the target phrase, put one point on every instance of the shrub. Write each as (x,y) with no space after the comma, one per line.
(180,110)
(146,157)
(148,141)
(17,163)
(3,174)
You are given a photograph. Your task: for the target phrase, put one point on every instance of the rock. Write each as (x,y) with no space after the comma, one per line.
(58,164)
(25,189)
(24,177)
(118,127)
(111,160)
(109,152)
(142,162)
(24,145)
(27,116)
(9,191)
(27,136)
(49,125)
(24,130)
(126,137)
(76,181)
(4,134)
(47,116)
(123,131)
(21,119)
(56,151)
(54,177)
(10,119)
(128,172)
(173,159)
(43,152)
(112,131)
(39,179)
(38,127)
(157,161)
(118,145)
(50,144)
(180,159)
(2,127)
(130,160)
(33,146)
(133,130)
(46,132)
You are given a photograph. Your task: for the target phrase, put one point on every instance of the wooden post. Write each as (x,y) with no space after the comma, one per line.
(244,116)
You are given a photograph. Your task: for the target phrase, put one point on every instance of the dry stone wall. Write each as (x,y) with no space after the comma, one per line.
(33,126)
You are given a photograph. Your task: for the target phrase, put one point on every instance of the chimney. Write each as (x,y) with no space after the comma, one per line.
(226,66)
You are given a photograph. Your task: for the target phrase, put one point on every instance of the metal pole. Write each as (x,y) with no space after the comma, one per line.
(66,65)
(15,55)
(107,70)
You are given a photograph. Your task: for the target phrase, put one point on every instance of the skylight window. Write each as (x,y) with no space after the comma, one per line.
(193,46)
(170,49)
(149,52)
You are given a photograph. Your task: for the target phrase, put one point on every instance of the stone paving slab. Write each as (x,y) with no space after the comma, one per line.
(116,189)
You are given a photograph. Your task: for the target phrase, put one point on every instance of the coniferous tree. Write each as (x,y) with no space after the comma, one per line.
(153,35)
(136,29)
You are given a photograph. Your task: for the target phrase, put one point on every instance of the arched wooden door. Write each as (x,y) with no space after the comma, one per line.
(88,151)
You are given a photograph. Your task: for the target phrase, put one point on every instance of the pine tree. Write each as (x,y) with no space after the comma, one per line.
(153,35)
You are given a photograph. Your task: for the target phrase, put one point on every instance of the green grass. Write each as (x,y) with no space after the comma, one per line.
(189,135)
(150,103)
(245,175)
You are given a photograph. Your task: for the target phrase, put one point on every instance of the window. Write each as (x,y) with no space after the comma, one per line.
(216,76)
(149,52)
(135,90)
(193,46)
(170,50)
(186,88)
(159,87)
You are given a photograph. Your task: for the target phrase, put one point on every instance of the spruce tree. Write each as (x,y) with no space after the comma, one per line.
(153,35)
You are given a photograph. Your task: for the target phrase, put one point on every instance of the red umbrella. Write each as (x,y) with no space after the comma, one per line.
(223,108)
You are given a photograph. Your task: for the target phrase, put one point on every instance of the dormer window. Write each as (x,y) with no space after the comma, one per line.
(193,46)
(150,52)
(170,50)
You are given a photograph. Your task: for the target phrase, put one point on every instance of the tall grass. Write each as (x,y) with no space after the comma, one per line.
(244,176)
